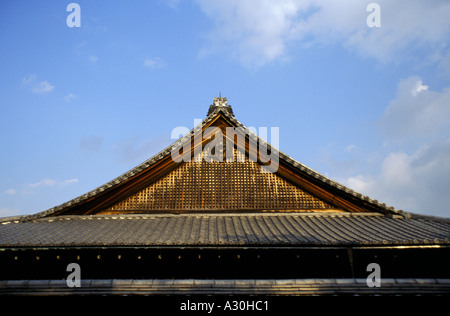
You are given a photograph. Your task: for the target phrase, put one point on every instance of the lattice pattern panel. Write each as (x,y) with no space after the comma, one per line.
(220,186)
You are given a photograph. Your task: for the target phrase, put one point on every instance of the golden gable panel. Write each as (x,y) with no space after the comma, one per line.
(220,186)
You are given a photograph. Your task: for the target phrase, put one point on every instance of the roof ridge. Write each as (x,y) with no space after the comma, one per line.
(17,219)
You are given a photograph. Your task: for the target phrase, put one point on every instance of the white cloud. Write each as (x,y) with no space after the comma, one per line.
(416,111)
(360,183)
(93,59)
(10,191)
(70,97)
(260,32)
(351,148)
(407,25)
(418,182)
(43,182)
(42,87)
(29,81)
(68,182)
(255,33)
(154,63)
(47,182)
(414,172)
(419,87)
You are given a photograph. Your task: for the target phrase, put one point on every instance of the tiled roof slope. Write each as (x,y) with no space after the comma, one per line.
(253,229)
(296,167)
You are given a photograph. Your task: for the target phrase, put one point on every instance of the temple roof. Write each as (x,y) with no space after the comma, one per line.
(292,181)
(163,202)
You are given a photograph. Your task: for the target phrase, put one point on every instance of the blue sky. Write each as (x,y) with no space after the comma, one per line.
(366,106)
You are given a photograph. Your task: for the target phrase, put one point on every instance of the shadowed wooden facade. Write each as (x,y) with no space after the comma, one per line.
(224,220)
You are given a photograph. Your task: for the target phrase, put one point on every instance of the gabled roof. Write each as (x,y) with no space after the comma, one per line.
(298,178)
(196,203)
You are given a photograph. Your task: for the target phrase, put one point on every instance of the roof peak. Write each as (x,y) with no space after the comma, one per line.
(221,103)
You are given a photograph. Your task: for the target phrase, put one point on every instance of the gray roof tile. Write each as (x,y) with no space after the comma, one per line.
(224,229)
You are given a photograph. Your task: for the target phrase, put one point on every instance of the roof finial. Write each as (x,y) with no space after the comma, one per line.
(220,101)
